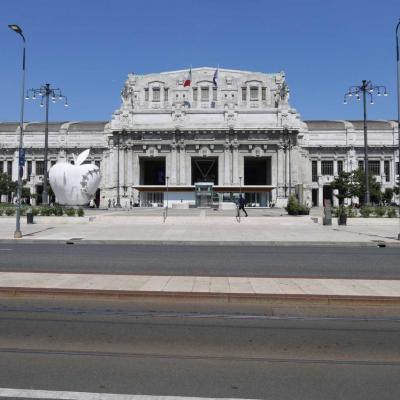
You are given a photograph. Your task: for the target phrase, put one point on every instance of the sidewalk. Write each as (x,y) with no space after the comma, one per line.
(203,226)
(276,296)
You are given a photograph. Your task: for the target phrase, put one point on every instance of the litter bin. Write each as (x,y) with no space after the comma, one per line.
(29,217)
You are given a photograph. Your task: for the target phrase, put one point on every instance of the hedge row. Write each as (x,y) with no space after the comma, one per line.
(368,211)
(57,211)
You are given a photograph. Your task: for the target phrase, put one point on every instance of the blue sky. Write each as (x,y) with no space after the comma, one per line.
(87,48)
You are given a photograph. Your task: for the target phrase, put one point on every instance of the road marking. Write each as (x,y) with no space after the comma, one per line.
(52,394)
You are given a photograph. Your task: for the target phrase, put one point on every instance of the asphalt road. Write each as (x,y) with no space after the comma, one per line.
(120,347)
(266,261)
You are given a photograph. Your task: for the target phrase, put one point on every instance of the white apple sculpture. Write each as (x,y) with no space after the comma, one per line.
(74,185)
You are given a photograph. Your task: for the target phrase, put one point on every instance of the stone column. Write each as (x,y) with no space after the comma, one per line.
(173,172)
(335,169)
(112,182)
(188,169)
(320,197)
(182,165)
(274,175)
(129,167)
(235,151)
(15,166)
(382,170)
(227,168)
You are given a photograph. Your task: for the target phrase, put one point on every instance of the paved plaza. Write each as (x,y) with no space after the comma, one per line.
(205,226)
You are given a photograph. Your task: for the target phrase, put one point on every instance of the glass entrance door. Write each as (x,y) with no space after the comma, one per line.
(204,194)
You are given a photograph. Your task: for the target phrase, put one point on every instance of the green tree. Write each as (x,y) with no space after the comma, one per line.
(388,195)
(345,186)
(7,186)
(359,187)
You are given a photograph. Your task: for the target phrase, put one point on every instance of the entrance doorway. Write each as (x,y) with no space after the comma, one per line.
(327,193)
(314,194)
(257,170)
(152,171)
(205,170)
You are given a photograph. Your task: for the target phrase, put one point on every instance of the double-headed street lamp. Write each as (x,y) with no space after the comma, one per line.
(21,151)
(366,89)
(44,93)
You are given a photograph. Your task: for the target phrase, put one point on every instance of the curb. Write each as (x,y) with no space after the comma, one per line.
(375,243)
(200,295)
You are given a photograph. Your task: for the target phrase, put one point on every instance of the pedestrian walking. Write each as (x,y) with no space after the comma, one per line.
(241,204)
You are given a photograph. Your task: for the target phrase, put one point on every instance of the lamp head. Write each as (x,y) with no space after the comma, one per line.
(15,28)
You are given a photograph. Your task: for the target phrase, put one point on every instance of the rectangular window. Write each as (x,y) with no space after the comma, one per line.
(374,167)
(314,171)
(53,162)
(361,165)
(204,94)
(339,166)
(263,93)
(146,94)
(1,167)
(39,167)
(9,168)
(253,93)
(387,170)
(29,171)
(165,94)
(244,93)
(195,94)
(327,167)
(397,168)
(97,162)
(156,94)
(214,94)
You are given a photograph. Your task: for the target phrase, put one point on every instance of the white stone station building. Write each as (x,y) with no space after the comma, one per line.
(207,143)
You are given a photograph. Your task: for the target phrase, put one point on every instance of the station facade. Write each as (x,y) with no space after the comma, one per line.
(203,143)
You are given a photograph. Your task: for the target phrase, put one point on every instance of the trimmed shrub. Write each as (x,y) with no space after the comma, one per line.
(292,206)
(380,211)
(351,212)
(1,211)
(70,211)
(81,212)
(35,211)
(366,211)
(10,211)
(46,211)
(391,212)
(58,211)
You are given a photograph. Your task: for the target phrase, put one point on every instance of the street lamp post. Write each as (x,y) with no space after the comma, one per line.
(44,93)
(366,89)
(398,105)
(240,184)
(21,151)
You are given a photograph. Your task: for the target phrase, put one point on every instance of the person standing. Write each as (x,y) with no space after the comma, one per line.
(241,204)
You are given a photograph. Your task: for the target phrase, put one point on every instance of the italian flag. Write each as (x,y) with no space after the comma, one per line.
(188,80)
